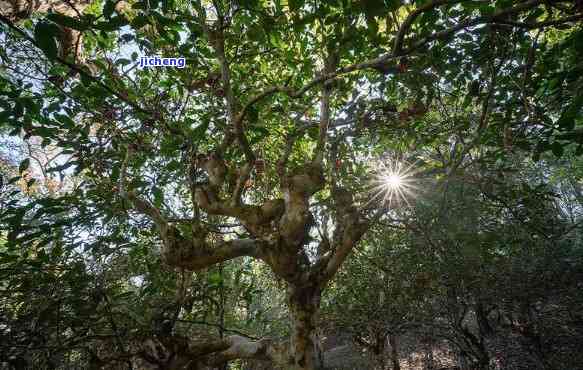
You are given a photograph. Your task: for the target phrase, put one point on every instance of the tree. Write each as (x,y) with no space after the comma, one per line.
(265,128)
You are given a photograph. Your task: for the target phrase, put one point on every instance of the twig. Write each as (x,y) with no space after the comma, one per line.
(226,330)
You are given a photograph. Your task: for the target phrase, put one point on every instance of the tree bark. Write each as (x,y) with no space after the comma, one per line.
(394,352)
(430,363)
(305,351)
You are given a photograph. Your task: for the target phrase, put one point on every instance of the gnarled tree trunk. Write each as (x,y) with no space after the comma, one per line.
(305,350)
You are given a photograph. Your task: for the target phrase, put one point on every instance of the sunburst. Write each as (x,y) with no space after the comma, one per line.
(392,182)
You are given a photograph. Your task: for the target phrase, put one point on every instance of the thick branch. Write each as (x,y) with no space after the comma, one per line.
(202,349)
(254,218)
(330,65)
(218,42)
(350,228)
(239,347)
(191,252)
(193,258)
(243,173)
(351,235)
(398,44)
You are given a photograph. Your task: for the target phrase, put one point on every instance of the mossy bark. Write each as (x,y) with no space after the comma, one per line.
(305,351)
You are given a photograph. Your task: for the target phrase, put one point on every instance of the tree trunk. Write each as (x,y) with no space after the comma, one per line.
(221,315)
(394,352)
(462,360)
(483,363)
(305,351)
(430,363)
(379,350)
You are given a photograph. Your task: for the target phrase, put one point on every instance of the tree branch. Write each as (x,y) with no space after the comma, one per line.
(200,257)
(239,347)
(182,251)
(535,25)
(329,66)
(530,4)
(352,228)
(142,206)
(217,40)
(406,25)
(226,330)
(351,236)
(262,95)
(397,48)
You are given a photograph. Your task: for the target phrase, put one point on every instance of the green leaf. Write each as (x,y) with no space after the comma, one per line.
(200,130)
(373,26)
(68,22)
(24,165)
(557,149)
(108,8)
(262,130)
(215,278)
(14,179)
(4,117)
(62,167)
(374,8)
(567,120)
(487,9)
(295,5)
(247,3)
(65,120)
(123,62)
(124,295)
(393,5)
(158,197)
(45,35)
(140,21)
(504,3)
(113,24)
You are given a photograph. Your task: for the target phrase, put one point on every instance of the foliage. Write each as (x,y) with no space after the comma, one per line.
(178,217)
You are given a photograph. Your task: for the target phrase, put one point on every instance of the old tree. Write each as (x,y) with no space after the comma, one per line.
(267,148)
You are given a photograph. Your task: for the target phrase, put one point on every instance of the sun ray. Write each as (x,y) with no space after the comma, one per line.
(392,182)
